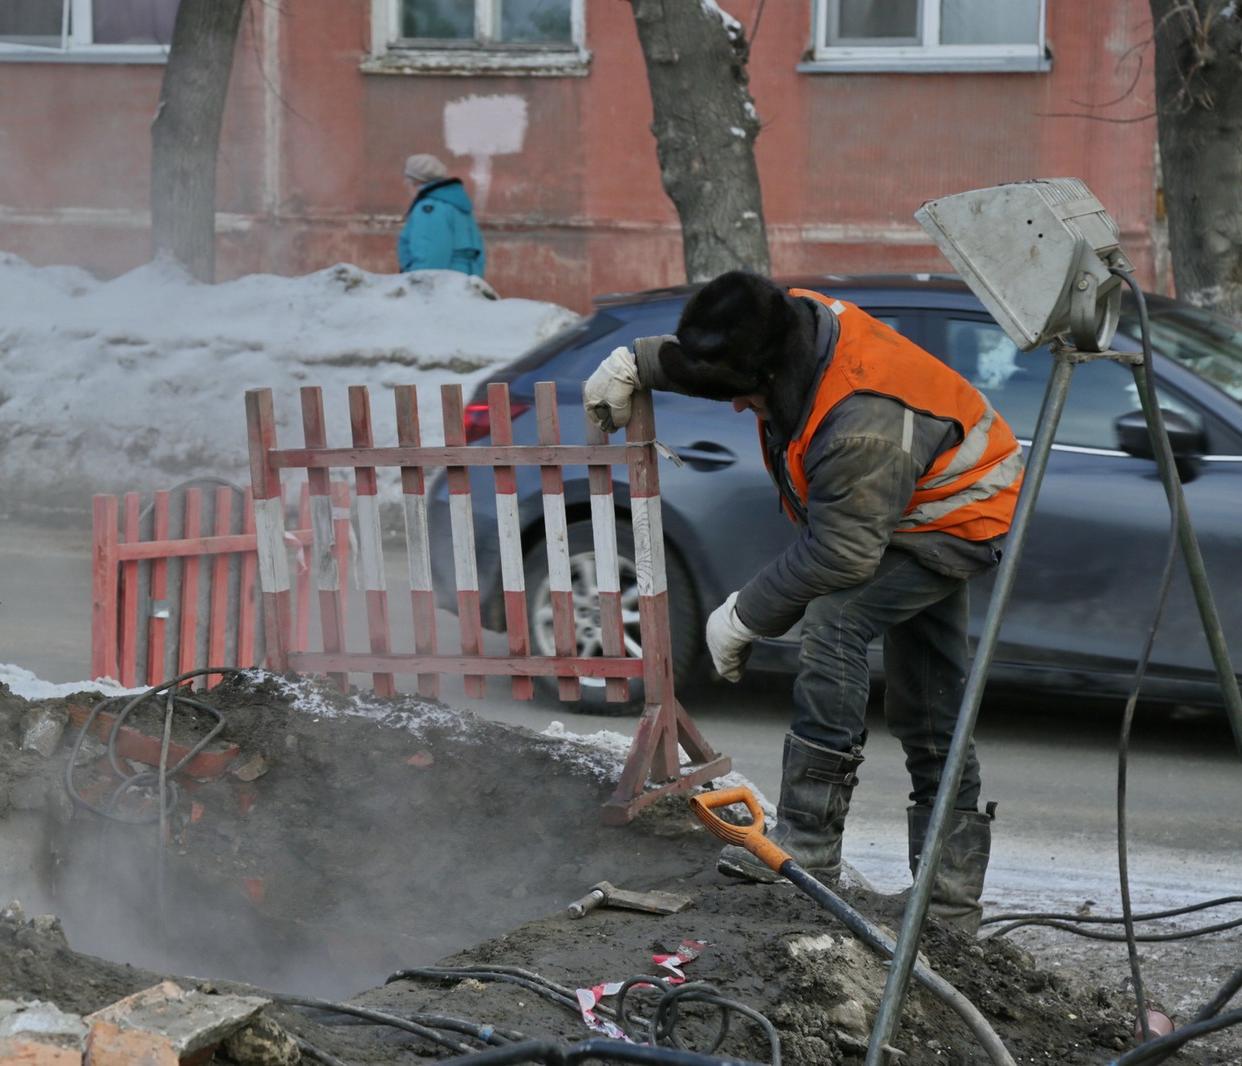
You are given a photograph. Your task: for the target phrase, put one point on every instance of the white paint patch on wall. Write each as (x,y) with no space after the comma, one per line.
(483,127)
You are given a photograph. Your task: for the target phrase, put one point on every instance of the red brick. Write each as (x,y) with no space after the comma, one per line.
(110,1045)
(24,1050)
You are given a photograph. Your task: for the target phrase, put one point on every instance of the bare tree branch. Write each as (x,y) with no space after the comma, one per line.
(1138,70)
(1095,118)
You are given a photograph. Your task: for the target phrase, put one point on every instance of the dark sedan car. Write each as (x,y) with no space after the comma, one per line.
(1084,588)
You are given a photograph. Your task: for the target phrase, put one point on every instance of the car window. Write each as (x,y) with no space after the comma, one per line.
(1208,345)
(578,364)
(598,335)
(583,332)
(1014,381)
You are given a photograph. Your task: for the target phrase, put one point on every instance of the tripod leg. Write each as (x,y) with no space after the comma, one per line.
(920,895)
(1194,560)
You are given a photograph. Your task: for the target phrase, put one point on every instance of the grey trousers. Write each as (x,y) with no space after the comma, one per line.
(922,616)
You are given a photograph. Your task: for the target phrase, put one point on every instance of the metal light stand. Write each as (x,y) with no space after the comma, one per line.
(1065,359)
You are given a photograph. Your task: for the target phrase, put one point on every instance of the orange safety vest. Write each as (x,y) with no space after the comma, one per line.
(971,490)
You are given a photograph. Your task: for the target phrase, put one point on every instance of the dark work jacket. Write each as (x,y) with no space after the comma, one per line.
(860,481)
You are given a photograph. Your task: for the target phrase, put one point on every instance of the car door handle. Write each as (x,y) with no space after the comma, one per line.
(706,455)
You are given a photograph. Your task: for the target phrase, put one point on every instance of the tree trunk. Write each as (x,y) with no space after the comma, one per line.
(185,135)
(1199,105)
(705,125)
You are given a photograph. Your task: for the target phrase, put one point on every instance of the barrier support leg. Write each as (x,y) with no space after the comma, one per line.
(665,727)
(269,517)
(104,587)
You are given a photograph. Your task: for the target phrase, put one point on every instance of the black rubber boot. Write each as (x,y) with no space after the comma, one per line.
(816,785)
(963,863)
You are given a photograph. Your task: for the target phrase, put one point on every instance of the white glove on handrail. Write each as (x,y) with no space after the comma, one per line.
(608,392)
(728,640)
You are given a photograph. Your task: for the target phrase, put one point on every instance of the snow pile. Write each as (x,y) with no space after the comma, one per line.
(21,682)
(138,382)
(318,699)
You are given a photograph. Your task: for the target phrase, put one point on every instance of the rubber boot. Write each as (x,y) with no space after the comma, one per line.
(816,785)
(963,863)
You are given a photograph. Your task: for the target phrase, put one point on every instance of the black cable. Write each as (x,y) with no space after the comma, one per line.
(1161,446)
(532,982)
(382,1017)
(1162,1047)
(1127,718)
(318,1054)
(1226,992)
(488,1034)
(700,992)
(593,1049)
(205,479)
(1143,938)
(1151,916)
(143,778)
(661,1028)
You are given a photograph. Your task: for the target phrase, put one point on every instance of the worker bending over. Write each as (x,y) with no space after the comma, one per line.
(902,480)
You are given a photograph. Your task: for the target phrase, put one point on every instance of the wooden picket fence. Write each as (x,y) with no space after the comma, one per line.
(654,756)
(174,583)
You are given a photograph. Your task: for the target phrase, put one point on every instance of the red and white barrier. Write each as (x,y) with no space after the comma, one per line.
(664,725)
(166,603)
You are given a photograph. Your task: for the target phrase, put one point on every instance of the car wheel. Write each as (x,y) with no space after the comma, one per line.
(683,609)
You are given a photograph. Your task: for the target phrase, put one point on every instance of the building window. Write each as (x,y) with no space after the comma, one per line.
(928,35)
(472,36)
(98,28)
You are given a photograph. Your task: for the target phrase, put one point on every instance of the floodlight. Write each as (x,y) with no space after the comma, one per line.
(1043,257)
(1038,254)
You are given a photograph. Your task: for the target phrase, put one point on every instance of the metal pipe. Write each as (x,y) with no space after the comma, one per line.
(920,895)
(1212,629)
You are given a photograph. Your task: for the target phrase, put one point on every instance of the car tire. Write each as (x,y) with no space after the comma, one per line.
(683,608)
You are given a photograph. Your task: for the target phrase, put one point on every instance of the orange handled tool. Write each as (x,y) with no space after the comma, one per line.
(752,839)
(750,836)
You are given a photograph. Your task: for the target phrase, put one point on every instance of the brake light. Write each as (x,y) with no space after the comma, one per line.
(477,419)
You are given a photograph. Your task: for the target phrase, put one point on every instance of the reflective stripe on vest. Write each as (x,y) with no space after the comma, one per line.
(971,489)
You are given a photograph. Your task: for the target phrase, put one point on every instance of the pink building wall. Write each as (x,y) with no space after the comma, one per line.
(310,162)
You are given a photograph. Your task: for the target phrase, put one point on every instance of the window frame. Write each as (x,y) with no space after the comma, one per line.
(393,54)
(924,57)
(77,43)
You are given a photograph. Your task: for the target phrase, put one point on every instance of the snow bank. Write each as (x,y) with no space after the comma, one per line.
(21,682)
(138,382)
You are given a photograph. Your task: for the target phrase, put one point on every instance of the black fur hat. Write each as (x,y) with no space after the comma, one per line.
(734,337)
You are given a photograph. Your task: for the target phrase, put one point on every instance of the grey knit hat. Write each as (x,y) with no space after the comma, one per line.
(424,168)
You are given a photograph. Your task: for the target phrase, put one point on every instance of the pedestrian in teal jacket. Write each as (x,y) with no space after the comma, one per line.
(439,232)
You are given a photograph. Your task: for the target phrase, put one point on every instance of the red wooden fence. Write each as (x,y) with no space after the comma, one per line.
(664,725)
(165,604)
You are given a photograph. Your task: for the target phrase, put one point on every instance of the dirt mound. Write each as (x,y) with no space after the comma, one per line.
(353,837)
(776,951)
(377,834)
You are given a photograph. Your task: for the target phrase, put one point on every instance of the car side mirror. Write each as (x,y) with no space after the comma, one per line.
(1188,439)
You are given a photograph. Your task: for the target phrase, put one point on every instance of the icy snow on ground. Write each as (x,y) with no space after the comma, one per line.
(23,683)
(605,750)
(138,382)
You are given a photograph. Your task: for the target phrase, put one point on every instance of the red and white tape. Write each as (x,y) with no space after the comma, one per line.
(589,998)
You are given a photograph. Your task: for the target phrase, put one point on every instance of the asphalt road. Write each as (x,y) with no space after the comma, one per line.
(1051,764)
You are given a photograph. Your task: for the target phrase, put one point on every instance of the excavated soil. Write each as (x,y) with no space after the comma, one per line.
(386,835)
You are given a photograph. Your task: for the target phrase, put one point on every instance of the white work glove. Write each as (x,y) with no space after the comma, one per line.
(608,391)
(728,640)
